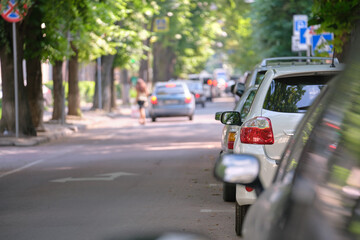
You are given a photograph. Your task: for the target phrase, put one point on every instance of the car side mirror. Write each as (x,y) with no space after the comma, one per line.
(218,116)
(231,118)
(241,169)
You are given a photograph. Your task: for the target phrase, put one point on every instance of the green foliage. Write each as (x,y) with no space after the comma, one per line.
(237,36)
(192,28)
(273,21)
(86,90)
(338,17)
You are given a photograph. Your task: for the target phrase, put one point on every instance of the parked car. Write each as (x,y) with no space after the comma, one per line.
(229,134)
(197,89)
(171,99)
(281,101)
(315,193)
(238,88)
(258,73)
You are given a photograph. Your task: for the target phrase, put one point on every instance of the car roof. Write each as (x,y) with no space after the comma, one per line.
(297,69)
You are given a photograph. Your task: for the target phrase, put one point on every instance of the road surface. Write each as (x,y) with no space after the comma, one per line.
(112,181)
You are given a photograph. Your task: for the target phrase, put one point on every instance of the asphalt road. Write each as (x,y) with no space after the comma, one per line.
(111,181)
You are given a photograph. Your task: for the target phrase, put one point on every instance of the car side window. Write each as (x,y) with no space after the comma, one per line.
(246,107)
(295,146)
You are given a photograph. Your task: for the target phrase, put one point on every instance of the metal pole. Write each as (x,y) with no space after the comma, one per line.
(63,93)
(15,82)
(99,81)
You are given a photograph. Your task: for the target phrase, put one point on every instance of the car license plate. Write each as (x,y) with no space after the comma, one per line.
(169,102)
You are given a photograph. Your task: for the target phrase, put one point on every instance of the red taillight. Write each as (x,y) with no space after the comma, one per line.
(188,99)
(197,95)
(249,189)
(209,82)
(231,140)
(215,83)
(170,85)
(154,100)
(257,130)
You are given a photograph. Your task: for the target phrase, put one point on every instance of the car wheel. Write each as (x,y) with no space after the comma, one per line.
(191,117)
(153,119)
(240,213)
(229,192)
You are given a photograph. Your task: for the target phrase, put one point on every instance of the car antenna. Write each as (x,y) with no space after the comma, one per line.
(333,59)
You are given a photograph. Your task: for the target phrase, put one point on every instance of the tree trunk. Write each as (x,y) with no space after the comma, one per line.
(164,63)
(106,67)
(106,82)
(73,93)
(125,86)
(58,91)
(113,89)
(34,91)
(8,101)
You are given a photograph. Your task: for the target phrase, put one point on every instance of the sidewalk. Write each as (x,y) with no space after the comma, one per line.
(55,130)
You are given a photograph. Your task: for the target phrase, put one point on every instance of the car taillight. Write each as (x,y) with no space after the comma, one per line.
(154,100)
(209,82)
(249,189)
(231,140)
(197,95)
(188,99)
(215,83)
(257,130)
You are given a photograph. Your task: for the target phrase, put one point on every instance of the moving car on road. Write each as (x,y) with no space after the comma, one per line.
(197,89)
(171,99)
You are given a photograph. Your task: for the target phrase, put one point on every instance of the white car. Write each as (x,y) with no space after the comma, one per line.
(279,104)
(229,133)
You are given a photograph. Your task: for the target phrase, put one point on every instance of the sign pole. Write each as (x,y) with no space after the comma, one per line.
(15,81)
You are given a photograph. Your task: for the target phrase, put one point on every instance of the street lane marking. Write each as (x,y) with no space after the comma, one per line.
(100,177)
(183,145)
(215,211)
(20,168)
(39,161)
(215,185)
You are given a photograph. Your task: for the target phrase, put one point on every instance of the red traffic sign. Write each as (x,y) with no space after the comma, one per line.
(11,13)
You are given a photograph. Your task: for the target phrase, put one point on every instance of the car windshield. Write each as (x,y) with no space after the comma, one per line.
(294,94)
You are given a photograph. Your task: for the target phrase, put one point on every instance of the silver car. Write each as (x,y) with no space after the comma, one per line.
(171,99)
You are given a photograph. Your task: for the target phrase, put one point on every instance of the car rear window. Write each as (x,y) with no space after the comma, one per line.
(294,94)
(194,86)
(170,89)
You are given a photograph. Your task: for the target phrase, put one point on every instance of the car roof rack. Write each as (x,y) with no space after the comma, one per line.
(295,60)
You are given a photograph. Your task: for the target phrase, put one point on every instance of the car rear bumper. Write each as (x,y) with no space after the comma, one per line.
(169,111)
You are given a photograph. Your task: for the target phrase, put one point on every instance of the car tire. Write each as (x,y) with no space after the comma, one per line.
(191,117)
(229,192)
(240,212)
(153,119)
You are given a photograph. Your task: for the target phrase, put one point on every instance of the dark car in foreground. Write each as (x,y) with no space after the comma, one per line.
(316,190)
